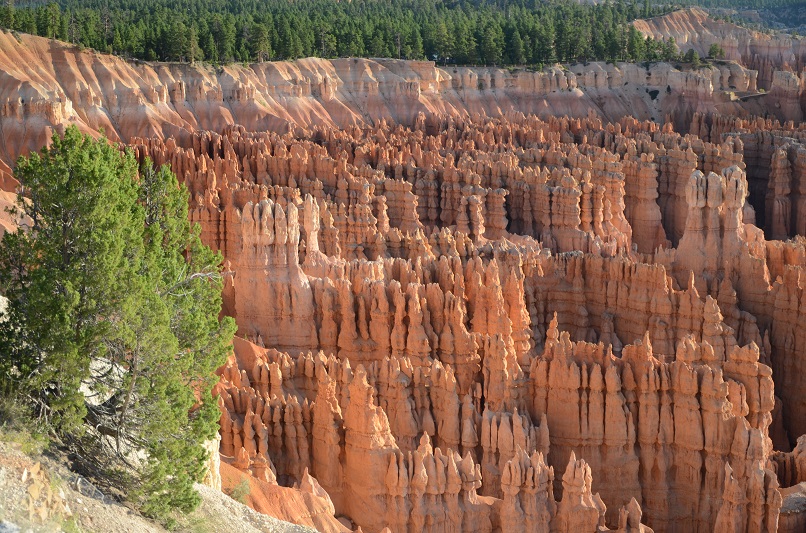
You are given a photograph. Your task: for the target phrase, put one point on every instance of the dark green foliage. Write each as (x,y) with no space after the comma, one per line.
(747,4)
(508,32)
(113,328)
(716,51)
(492,44)
(691,56)
(259,43)
(516,54)
(669,51)
(60,278)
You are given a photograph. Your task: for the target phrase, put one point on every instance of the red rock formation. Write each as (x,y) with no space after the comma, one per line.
(693,29)
(51,84)
(456,358)
(437,319)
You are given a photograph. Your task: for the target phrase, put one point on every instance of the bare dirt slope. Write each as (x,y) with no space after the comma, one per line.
(66,502)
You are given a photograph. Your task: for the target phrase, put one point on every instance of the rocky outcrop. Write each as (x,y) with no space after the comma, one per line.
(693,29)
(459,312)
(445,320)
(47,85)
(370,466)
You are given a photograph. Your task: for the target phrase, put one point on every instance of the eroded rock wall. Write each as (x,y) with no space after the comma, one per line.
(448,295)
(451,313)
(693,29)
(47,85)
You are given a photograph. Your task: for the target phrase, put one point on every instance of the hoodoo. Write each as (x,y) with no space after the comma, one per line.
(565,299)
(477,300)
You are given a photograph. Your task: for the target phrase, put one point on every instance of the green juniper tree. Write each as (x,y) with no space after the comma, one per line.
(691,56)
(716,51)
(61,270)
(113,323)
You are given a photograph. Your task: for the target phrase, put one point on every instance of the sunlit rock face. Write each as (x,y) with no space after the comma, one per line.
(485,324)
(475,299)
(47,85)
(694,29)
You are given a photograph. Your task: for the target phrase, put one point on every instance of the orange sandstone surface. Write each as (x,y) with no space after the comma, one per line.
(46,85)
(476,300)
(693,29)
(513,323)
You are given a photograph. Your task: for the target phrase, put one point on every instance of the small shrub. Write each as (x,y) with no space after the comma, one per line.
(18,426)
(71,526)
(241,491)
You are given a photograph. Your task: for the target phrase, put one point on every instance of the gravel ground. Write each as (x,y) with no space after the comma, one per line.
(219,512)
(87,509)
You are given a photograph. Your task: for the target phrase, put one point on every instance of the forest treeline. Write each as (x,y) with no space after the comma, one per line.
(502,32)
(750,4)
(507,32)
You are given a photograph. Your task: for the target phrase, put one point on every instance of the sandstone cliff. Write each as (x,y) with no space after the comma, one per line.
(693,29)
(460,311)
(446,317)
(45,85)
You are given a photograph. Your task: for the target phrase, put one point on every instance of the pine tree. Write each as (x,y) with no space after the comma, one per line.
(223,31)
(259,43)
(636,45)
(561,40)
(377,45)
(175,43)
(670,51)
(443,42)
(112,327)
(7,14)
(544,51)
(465,45)
(515,52)
(194,51)
(209,47)
(691,56)
(716,51)
(492,44)
(414,49)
